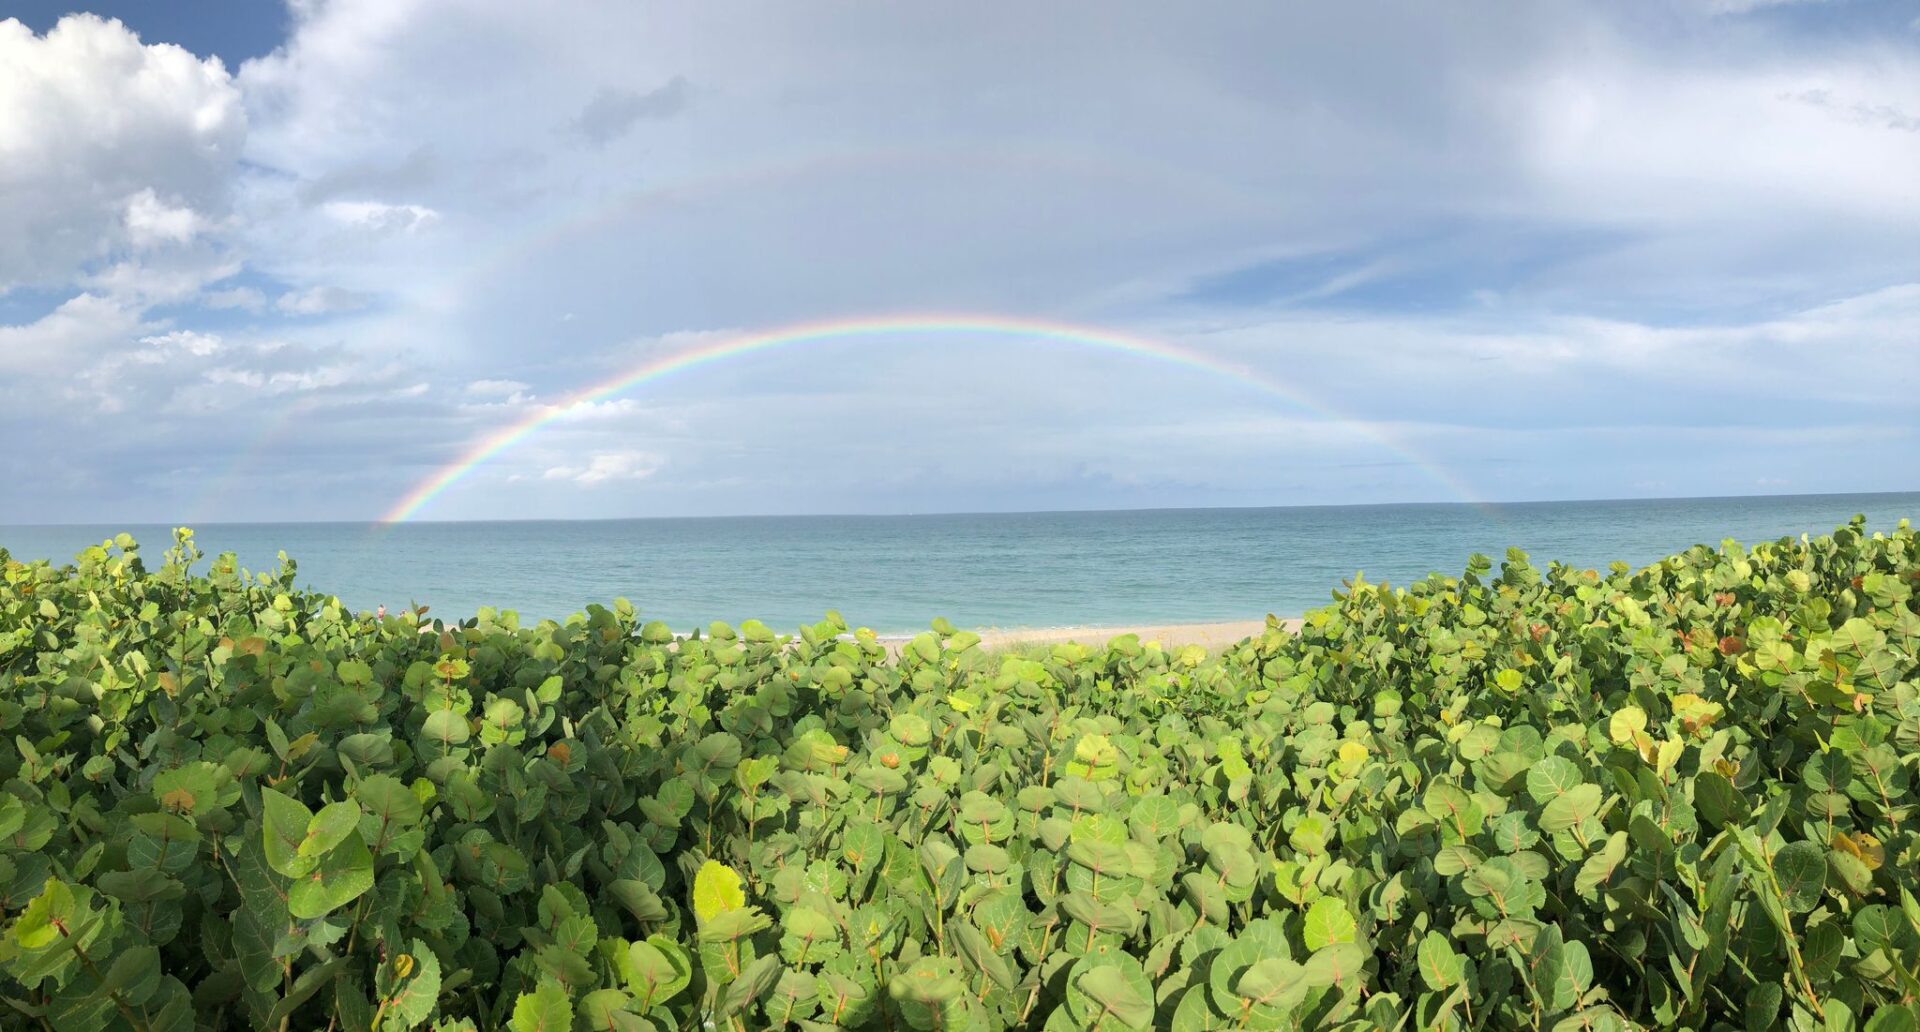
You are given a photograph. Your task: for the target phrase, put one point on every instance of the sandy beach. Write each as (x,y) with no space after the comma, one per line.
(1209,635)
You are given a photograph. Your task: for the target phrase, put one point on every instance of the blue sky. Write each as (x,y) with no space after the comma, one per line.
(262,262)
(232,30)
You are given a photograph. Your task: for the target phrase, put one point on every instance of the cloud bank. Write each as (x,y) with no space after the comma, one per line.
(1546,252)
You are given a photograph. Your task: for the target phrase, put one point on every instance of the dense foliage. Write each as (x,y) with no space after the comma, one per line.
(1678,797)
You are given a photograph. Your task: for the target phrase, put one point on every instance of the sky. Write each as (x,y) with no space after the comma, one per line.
(264,262)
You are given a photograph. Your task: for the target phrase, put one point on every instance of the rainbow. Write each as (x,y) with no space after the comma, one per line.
(916,325)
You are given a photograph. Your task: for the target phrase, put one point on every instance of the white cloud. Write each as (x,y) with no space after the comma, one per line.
(151,221)
(508,389)
(106,144)
(1630,140)
(378,217)
(260,380)
(286,382)
(601,411)
(199,345)
(1411,364)
(173,276)
(70,336)
(608,466)
(321,301)
(673,341)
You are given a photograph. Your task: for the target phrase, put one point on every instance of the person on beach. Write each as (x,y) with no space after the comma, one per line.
(381,613)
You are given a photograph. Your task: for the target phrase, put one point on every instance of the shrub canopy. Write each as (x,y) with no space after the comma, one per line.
(1676,797)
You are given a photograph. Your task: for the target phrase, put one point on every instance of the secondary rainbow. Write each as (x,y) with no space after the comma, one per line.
(596,213)
(916,325)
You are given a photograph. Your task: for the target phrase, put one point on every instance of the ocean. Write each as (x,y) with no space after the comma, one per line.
(1005,570)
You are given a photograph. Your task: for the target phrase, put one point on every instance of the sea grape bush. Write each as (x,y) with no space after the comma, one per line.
(1675,797)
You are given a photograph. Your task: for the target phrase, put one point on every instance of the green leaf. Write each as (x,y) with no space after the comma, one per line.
(409,987)
(446,728)
(340,878)
(1895,1017)
(979,952)
(1114,993)
(310,982)
(80,1007)
(1762,1007)
(1597,872)
(808,936)
(1876,927)
(1820,950)
(639,899)
(1328,922)
(1571,809)
(608,1009)
(134,974)
(39,925)
(1718,801)
(1551,778)
(1337,965)
(929,981)
(329,828)
(546,1009)
(753,983)
(259,921)
(733,925)
(715,756)
(1571,976)
(1440,966)
(284,824)
(1801,870)
(658,969)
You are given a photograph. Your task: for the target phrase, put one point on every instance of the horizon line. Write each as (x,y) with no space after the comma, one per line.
(1479,506)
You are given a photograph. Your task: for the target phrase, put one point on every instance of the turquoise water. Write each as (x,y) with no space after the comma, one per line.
(895,573)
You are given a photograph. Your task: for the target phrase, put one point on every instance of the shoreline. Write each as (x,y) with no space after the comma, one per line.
(1214,635)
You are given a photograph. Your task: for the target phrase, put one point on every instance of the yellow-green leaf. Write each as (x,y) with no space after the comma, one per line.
(716,890)
(1628,722)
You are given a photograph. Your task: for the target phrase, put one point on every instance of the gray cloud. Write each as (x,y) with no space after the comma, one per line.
(1750,6)
(613,112)
(414,172)
(1858,112)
